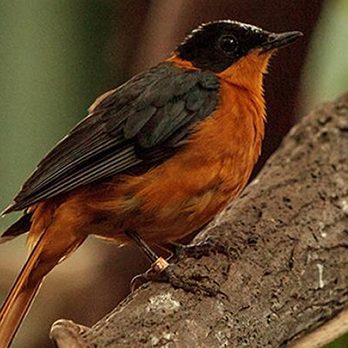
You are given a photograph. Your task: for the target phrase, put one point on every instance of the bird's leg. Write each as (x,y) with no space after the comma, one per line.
(158,263)
(162,271)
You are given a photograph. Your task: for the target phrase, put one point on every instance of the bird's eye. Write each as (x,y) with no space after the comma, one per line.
(228,43)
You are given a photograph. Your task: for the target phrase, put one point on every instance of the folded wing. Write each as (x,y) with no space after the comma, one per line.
(142,122)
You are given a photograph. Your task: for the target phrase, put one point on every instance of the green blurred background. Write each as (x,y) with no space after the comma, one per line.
(57,56)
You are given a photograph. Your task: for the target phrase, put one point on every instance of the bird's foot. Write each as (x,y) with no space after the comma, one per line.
(189,278)
(199,250)
(189,281)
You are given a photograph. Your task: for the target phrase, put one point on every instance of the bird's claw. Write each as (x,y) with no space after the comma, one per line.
(192,283)
(199,250)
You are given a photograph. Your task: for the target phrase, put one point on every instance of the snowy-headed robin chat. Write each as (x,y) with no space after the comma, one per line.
(160,155)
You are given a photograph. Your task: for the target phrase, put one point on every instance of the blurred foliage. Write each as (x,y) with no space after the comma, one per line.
(326,70)
(340,343)
(51,70)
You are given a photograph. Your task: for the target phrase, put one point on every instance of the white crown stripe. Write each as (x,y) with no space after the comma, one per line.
(226,21)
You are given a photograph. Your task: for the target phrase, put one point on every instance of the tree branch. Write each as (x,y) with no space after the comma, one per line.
(326,333)
(286,273)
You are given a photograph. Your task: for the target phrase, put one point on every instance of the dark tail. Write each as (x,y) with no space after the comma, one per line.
(19,227)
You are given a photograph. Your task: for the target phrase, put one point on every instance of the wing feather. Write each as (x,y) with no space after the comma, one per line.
(140,123)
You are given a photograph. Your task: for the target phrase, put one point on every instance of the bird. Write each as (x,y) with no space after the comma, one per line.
(154,160)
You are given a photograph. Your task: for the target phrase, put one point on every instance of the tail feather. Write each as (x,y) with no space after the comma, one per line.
(19,227)
(20,297)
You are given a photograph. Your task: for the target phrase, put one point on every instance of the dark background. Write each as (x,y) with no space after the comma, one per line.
(56,57)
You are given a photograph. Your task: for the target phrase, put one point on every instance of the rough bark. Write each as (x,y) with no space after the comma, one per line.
(286,273)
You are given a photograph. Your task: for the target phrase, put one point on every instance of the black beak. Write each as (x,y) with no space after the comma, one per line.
(280,40)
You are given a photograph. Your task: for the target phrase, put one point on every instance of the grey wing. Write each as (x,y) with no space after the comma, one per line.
(140,123)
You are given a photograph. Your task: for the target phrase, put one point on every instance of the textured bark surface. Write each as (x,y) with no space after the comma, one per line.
(286,273)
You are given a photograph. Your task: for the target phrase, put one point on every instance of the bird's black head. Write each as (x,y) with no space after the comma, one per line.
(216,45)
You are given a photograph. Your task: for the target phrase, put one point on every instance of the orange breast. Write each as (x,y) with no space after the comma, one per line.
(185,192)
